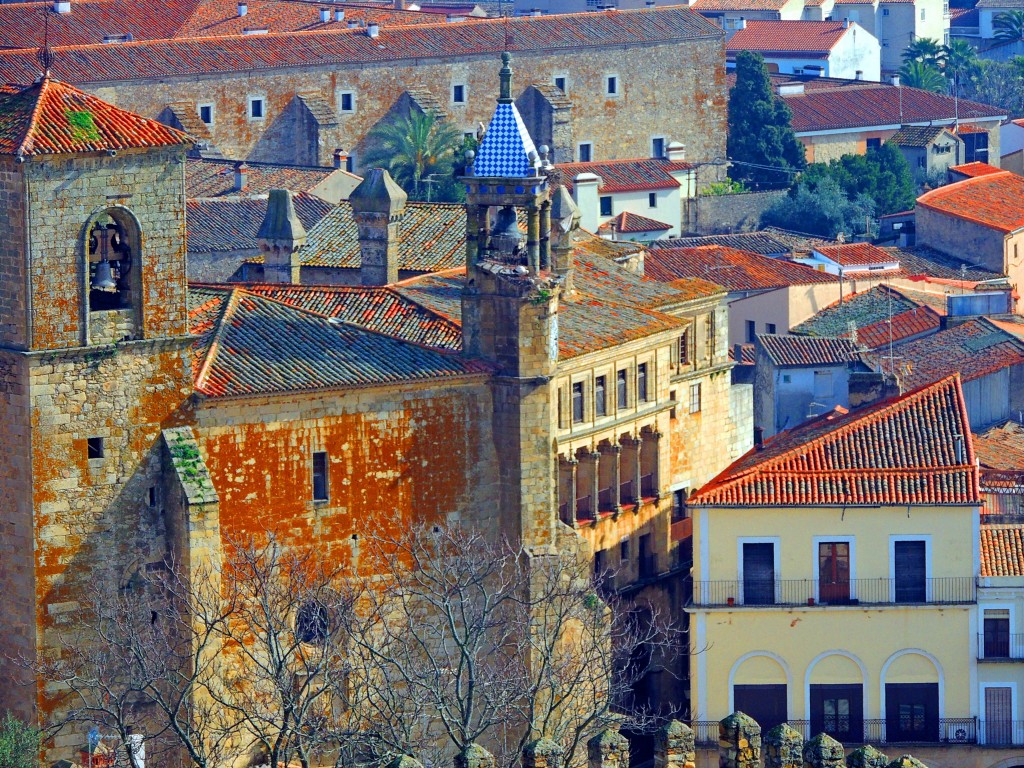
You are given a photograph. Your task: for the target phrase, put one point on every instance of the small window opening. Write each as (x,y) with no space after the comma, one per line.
(95,447)
(458,94)
(206,113)
(152,496)
(320,489)
(311,623)
(255,108)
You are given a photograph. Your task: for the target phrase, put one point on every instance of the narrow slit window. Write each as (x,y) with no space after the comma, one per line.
(320,484)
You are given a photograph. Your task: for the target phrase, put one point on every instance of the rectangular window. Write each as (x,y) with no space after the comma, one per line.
(577,402)
(560,83)
(152,495)
(641,383)
(658,147)
(912,712)
(976,147)
(624,550)
(769,328)
(600,396)
(648,559)
(350,163)
(996,626)
(695,398)
(909,571)
(621,393)
(922,14)
(838,710)
(255,108)
(684,348)
(765,703)
(998,715)
(873,144)
(606,205)
(885,11)
(320,489)
(652,199)
(823,385)
(611,85)
(206,113)
(751,331)
(586,151)
(458,94)
(348,101)
(94,448)
(834,572)
(758,573)
(601,572)
(679,504)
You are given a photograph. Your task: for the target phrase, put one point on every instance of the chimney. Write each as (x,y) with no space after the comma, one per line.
(895,80)
(280,236)
(758,438)
(378,204)
(650,3)
(340,158)
(675,152)
(859,74)
(241,177)
(325,15)
(846,23)
(62,6)
(339,14)
(352,24)
(243,9)
(587,198)
(373,29)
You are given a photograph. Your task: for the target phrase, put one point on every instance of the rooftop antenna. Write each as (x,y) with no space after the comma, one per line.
(44,55)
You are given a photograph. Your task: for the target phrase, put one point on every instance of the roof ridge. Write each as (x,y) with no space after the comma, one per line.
(25,145)
(214,346)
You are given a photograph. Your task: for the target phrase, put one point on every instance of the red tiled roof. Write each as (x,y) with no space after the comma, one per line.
(734,269)
(633,222)
(898,452)
(776,36)
(50,117)
(1002,550)
(905,325)
(993,201)
(90,21)
(635,175)
(748,354)
(963,17)
(1001,447)
(473,37)
(973,349)
(807,350)
(231,224)
(856,254)
(977,168)
(216,178)
(738,5)
(246,344)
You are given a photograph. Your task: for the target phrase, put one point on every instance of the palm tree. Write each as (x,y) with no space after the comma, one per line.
(958,59)
(1009,26)
(918,74)
(925,50)
(413,148)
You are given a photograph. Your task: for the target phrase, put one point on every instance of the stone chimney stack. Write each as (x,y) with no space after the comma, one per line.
(241,177)
(340,158)
(377,207)
(739,742)
(565,219)
(542,753)
(280,236)
(608,749)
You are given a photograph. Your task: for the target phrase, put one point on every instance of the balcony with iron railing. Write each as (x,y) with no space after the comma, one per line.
(943,731)
(1000,646)
(952,590)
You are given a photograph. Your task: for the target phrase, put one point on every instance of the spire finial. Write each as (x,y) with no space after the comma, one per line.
(45,55)
(505,75)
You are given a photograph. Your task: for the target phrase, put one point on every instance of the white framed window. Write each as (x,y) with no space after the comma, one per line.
(922,14)
(584,152)
(835,568)
(257,108)
(657,147)
(910,567)
(695,398)
(458,93)
(347,101)
(612,85)
(206,113)
(652,199)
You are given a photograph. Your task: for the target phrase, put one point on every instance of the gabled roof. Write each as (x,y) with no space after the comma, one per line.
(977,168)
(795,351)
(473,37)
(734,269)
(52,118)
(738,5)
(992,200)
(216,178)
(755,242)
(247,344)
(915,449)
(1002,550)
(862,309)
(856,254)
(964,17)
(787,37)
(905,325)
(973,349)
(636,175)
(917,135)
(633,222)
(232,224)
(1001,446)
(928,262)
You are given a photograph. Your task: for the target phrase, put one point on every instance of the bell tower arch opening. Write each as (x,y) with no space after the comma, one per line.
(112,275)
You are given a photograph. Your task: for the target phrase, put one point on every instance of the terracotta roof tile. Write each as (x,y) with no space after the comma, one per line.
(1002,550)
(216,178)
(232,224)
(777,36)
(992,200)
(636,175)
(975,169)
(738,5)
(927,262)
(856,254)
(862,309)
(787,351)
(188,57)
(1001,447)
(756,242)
(898,452)
(963,17)
(916,135)
(261,346)
(734,269)
(50,117)
(633,223)
(903,327)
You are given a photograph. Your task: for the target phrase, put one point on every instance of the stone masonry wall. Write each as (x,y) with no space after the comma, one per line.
(14,299)
(717,214)
(676,90)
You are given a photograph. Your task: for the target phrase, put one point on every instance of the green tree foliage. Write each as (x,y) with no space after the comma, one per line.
(419,151)
(925,50)
(761,136)
(882,174)
(1009,26)
(819,206)
(920,74)
(19,743)
(958,58)
(999,83)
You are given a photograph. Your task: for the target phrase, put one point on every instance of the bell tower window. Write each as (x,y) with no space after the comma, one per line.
(110,262)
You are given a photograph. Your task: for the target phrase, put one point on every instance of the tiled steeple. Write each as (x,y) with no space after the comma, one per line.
(507,150)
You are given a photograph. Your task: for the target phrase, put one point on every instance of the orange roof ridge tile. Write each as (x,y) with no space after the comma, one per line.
(213,349)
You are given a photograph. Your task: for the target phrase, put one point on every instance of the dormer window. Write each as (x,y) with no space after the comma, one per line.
(110,261)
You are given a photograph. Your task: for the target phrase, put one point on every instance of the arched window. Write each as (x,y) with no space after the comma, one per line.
(110,253)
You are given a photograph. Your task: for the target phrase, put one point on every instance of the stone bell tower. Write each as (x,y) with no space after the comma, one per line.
(95,360)
(510,313)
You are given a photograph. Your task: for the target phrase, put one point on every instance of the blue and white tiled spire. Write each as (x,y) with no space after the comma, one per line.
(507,150)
